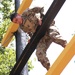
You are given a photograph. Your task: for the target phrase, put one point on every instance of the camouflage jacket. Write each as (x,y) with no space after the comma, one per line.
(30,21)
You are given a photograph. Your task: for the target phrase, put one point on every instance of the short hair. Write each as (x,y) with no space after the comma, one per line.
(13,15)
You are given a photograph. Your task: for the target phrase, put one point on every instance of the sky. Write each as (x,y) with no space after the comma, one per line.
(66,25)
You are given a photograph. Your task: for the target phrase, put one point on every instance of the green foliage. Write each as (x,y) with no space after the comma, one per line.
(3,28)
(7,60)
(6,9)
(30,66)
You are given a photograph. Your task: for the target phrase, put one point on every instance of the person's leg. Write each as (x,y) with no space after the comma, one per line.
(41,51)
(57,38)
(43,59)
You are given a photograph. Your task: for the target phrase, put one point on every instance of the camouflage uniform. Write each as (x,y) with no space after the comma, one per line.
(52,35)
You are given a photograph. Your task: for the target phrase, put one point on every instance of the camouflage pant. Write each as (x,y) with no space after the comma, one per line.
(52,36)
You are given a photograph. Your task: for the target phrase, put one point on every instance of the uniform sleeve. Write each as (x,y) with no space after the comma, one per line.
(33,11)
(38,9)
(25,13)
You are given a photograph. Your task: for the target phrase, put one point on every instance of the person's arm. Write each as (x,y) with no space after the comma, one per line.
(33,11)
(38,9)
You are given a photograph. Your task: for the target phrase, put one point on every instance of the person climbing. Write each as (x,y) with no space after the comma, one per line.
(29,22)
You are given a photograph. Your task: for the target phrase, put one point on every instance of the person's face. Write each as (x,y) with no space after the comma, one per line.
(17,19)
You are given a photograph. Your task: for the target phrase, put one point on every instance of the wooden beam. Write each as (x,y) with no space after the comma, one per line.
(13,27)
(63,59)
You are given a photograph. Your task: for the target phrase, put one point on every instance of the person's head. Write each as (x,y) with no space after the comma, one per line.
(16,18)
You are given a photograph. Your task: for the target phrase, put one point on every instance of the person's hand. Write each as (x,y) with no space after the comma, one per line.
(29,41)
(40,21)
